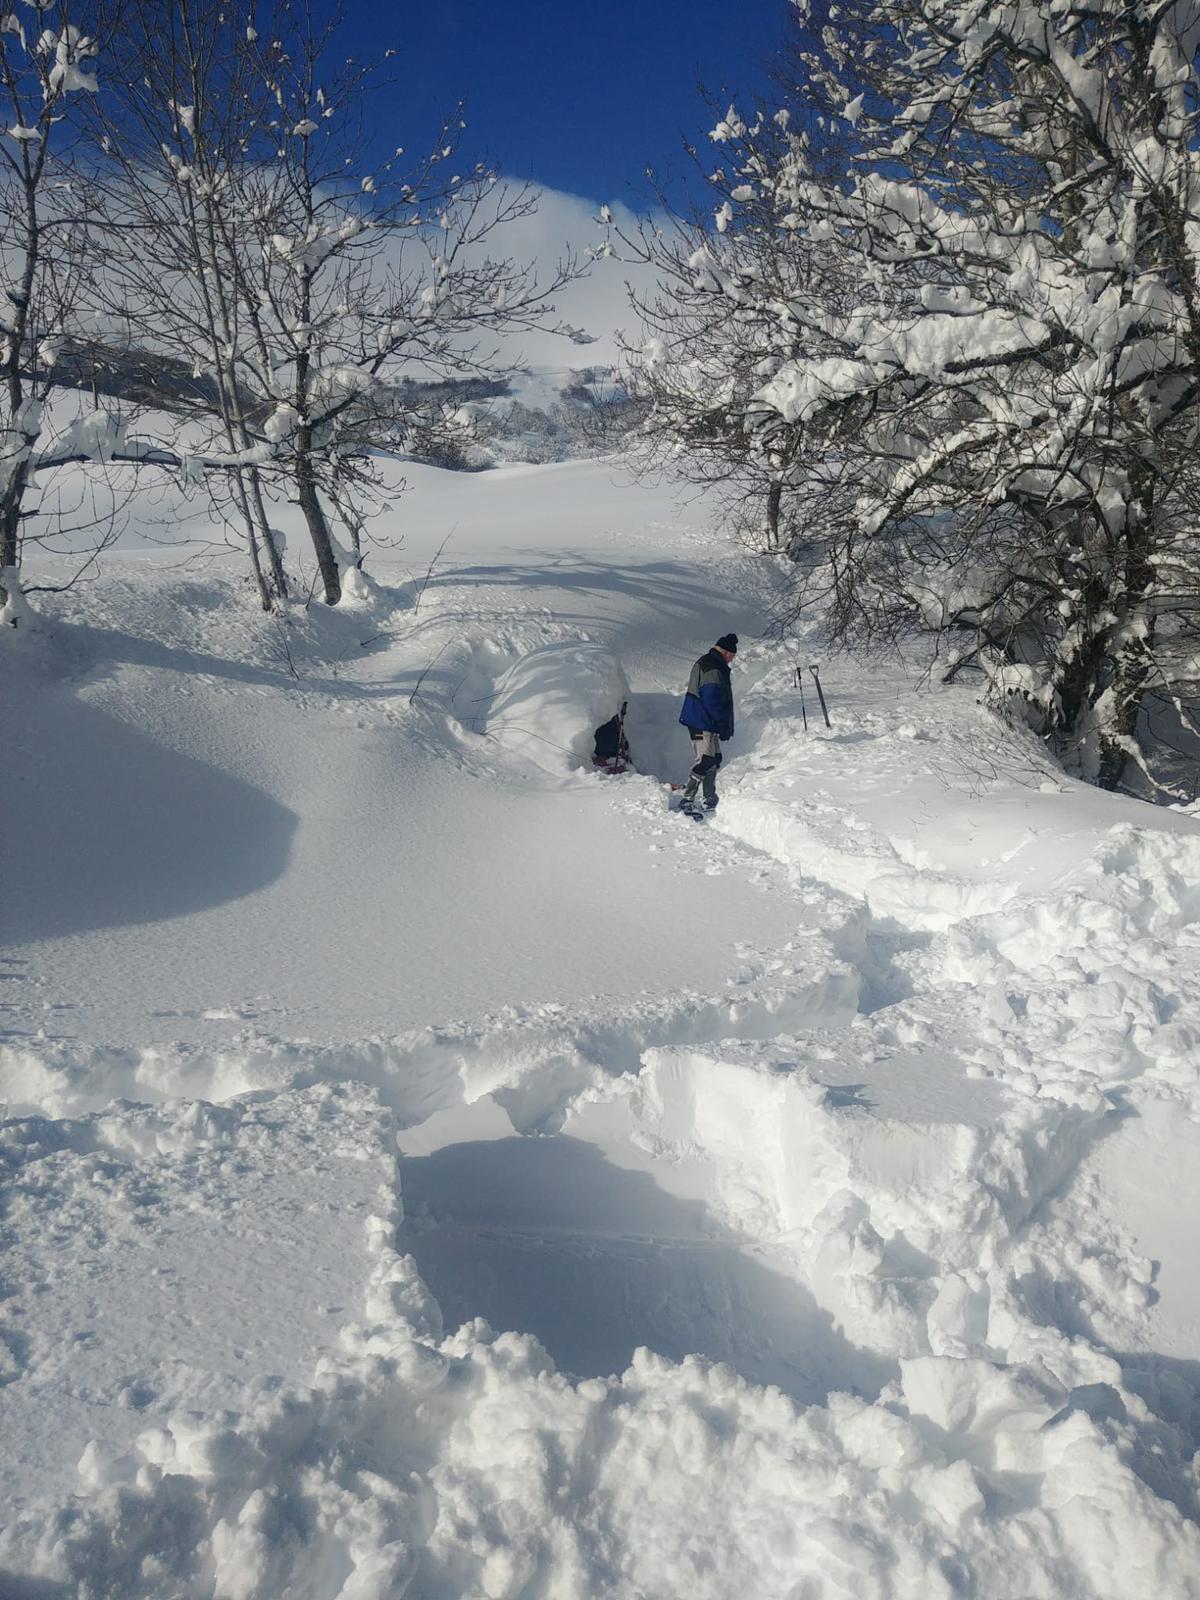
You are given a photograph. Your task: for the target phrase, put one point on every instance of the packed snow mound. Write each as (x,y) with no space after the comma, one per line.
(548,706)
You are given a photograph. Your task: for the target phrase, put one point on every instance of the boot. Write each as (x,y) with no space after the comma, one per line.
(689,806)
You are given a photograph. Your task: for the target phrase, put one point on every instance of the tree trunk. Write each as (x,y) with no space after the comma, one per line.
(1133,660)
(10,524)
(774,496)
(314,516)
(10,521)
(278,575)
(243,499)
(1113,758)
(1078,686)
(264,594)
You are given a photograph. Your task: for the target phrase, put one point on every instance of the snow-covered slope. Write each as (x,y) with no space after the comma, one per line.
(435,1169)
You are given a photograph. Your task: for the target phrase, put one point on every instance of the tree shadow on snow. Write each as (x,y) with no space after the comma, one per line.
(545,1236)
(672,584)
(672,592)
(110,829)
(96,652)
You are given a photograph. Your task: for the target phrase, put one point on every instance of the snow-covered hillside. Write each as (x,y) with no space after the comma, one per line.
(434,1169)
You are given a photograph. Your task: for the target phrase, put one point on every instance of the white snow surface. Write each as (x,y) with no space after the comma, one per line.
(432,1168)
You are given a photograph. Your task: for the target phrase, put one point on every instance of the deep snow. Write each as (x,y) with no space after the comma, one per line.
(435,1169)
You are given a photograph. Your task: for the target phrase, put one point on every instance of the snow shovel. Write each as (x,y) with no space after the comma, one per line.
(820,694)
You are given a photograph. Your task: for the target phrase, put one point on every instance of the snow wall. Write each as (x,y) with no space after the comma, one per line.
(548,706)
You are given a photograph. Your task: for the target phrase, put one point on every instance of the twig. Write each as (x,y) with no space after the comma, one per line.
(429,569)
(356,644)
(531,733)
(428,668)
(283,644)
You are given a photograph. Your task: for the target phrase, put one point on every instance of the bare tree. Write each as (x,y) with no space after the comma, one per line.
(307,282)
(60,252)
(194,110)
(242,239)
(42,68)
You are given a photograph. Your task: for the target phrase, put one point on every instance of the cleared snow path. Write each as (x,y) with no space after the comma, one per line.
(863,1092)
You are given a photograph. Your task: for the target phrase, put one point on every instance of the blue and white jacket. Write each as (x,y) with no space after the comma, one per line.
(708,704)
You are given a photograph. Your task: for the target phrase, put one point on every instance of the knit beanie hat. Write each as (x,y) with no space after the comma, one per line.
(728,641)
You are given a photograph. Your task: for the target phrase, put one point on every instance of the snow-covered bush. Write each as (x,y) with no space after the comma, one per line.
(710,331)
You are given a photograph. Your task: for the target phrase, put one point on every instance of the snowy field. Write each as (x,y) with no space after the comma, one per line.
(433,1169)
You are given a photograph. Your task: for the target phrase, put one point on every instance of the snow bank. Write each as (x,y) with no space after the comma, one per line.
(548,706)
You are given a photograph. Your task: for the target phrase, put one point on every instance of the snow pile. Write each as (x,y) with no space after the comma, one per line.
(484,1184)
(548,705)
(416,1463)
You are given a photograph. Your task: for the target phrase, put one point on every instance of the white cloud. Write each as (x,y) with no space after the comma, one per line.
(598,303)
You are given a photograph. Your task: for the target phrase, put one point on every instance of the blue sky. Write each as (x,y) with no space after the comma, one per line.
(577,95)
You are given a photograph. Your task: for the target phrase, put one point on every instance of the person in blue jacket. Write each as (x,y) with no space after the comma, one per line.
(708,717)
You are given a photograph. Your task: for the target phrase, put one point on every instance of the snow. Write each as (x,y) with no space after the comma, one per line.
(433,1168)
(548,705)
(74,57)
(148,1193)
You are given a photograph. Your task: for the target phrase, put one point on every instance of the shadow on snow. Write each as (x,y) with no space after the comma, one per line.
(545,1236)
(116,829)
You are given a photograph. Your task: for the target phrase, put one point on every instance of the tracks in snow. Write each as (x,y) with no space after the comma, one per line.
(852,1172)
